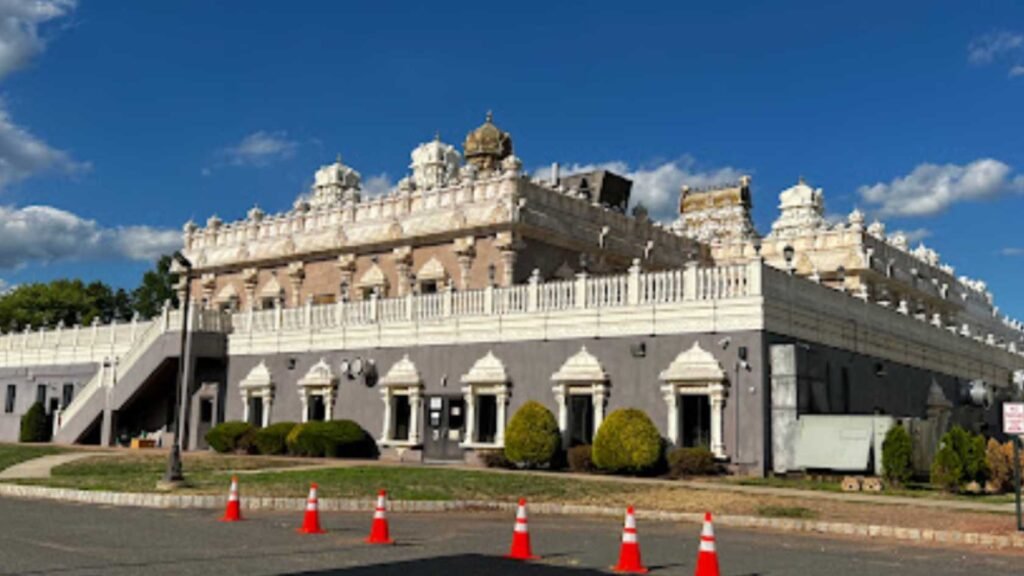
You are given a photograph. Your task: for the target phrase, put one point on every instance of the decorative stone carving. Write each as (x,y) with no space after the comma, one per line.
(802,208)
(582,374)
(318,381)
(335,184)
(257,384)
(487,376)
(434,164)
(402,379)
(487,146)
(696,372)
(374,278)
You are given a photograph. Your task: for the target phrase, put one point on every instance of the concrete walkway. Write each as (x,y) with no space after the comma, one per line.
(43,466)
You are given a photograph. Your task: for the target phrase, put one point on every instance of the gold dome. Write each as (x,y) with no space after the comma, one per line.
(487,146)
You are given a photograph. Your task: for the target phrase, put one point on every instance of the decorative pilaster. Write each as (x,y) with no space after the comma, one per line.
(499,436)
(561,395)
(296,274)
(403,264)
(469,399)
(671,396)
(385,396)
(464,252)
(208,283)
(508,246)
(347,268)
(415,409)
(600,395)
(250,278)
(717,398)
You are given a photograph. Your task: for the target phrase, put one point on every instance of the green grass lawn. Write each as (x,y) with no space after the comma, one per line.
(11,454)
(912,490)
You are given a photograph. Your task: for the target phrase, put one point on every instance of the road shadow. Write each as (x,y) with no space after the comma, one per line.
(458,564)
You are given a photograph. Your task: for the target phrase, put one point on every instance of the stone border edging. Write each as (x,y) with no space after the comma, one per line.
(199,501)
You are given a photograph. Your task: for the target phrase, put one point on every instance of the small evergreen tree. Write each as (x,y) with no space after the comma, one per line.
(897,456)
(34,425)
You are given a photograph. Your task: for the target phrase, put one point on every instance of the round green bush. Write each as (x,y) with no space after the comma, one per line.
(627,442)
(35,425)
(897,456)
(231,436)
(273,440)
(684,462)
(532,438)
(332,439)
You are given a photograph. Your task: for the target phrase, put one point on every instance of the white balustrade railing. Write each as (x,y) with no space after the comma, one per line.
(635,288)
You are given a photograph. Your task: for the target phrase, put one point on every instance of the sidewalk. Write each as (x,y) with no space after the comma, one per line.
(43,466)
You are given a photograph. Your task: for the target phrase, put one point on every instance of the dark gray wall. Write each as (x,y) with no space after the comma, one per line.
(634,381)
(896,389)
(26,380)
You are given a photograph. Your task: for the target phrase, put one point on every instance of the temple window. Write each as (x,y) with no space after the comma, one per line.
(486,395)
(257,391)
(401,391)
(695,390)
(581,393)
(316,393)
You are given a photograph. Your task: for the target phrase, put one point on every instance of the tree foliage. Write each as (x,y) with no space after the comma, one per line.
(897,456)
(627,442)
(70,302)
(532,438)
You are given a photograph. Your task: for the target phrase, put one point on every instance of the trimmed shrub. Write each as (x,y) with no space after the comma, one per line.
(947,470)
(332,439)
(970,452)
(897,456)
(273,440)
(231,436)
(494,459)
(581,459)
(627,442)
(999,459)
(532,438)
(691,462)
(35,425)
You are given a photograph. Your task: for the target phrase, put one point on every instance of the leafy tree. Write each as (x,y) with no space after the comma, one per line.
(157,286)
(897,456)
(34,425)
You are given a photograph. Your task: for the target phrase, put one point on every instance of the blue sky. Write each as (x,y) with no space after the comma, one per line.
(119,121)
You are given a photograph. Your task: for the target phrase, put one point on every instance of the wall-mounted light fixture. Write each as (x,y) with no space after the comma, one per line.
(788,252)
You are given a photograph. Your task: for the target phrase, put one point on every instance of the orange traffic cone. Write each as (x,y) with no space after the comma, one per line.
(707,558)
(379,528)
(311,522)
(233,513)
(521,536)
(629,553)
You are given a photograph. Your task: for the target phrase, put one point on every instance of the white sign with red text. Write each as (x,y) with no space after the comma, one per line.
(1013,418)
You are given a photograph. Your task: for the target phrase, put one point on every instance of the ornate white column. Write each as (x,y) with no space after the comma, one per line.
(507,246)
(672,402)
(469,397)
(245,404)
(464,251)
(717,399)
(328,404)
(385,395)
(304,402)
(600,394)
(415,408)
(208,282)
(561,391)
(268,405)
(502,401)
(250,277)
(346,268)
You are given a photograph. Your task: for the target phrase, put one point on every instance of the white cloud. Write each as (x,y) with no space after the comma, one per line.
(46,234)
(932,188)
(1012,252)
(986,48)
(259,149)
(658,186)
(1017,70)
(19,29)
(377,185)
(23,155)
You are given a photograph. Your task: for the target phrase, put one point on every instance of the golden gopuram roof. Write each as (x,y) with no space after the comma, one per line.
(487,146)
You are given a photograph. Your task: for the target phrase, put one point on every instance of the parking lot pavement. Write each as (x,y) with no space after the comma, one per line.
(39,537)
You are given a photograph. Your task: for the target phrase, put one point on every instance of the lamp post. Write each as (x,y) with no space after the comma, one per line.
(174,475)
(788,252)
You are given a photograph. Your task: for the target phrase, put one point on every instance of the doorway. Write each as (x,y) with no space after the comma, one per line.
(581,419)
(695,421)
(446,423)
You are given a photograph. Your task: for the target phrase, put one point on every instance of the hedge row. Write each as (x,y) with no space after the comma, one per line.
(334,439)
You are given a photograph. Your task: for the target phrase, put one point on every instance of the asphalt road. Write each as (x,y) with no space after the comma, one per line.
(39,537)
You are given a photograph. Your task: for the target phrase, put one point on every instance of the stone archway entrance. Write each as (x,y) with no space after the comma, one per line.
(695,390)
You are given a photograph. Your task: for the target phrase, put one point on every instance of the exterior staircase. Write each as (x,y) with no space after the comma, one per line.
(117,382)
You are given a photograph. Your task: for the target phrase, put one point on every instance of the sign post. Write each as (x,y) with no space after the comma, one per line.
(1013,426)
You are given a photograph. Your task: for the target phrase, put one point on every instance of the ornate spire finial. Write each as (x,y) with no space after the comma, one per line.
(437,135)
(801,179)
(337,159)
(490,117)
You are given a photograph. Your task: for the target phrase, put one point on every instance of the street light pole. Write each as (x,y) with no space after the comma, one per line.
(174,475)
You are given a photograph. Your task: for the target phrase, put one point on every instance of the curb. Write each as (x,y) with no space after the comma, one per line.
(196,501)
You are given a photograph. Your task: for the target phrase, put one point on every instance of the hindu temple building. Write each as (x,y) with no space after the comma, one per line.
(430,313)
